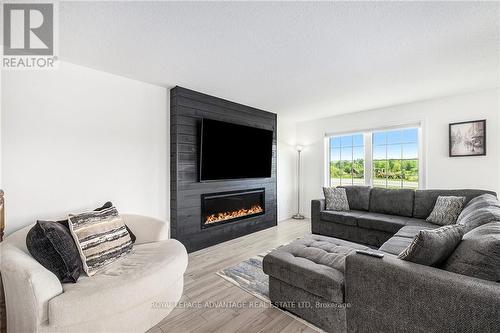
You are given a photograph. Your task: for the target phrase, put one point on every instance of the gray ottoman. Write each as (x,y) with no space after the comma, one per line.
(306,277)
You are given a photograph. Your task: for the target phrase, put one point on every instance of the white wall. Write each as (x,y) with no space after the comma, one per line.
(481,172)
(74,138)
(286,169)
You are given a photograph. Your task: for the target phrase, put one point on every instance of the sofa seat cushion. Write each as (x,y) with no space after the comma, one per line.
(410,231)
(382,222)
(346,218)
(146,271)
(423,224)
(313,263)
(396,244)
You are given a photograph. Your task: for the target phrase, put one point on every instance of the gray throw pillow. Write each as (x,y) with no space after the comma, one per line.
(482,201)
(434,246)
(335,199)
(446,210)
(478,254)
(52,245)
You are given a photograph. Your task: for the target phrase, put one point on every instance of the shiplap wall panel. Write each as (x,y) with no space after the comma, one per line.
(187,108)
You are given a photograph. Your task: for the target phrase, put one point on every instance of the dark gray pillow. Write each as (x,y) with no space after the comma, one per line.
(446,210)
(482,201)
(52,245)
(478,254)
(433,247)
(335,199)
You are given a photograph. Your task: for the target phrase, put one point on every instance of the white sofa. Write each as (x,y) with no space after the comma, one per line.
(130,295)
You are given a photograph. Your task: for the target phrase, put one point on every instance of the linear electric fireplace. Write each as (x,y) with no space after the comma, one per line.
(226,207)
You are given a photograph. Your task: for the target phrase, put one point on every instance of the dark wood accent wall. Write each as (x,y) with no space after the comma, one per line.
(187,108)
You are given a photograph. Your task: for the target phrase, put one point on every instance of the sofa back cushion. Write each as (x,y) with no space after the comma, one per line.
(358,196)
(482,201)
(394,202)
(425,200)
(480,217)
(478,254)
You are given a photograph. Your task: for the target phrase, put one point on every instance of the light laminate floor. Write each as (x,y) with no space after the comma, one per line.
(211,304)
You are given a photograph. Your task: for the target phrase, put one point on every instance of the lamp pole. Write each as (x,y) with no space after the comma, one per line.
(298,216)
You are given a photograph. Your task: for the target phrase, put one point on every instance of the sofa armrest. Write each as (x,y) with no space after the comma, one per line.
(28,287)
(146,229)
(394,295)
(317,205)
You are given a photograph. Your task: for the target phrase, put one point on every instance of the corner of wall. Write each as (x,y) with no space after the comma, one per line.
(287,168)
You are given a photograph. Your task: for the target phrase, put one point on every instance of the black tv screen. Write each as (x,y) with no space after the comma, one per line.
(231,151)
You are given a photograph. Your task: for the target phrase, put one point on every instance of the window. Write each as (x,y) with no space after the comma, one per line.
(395,158)
(347,160)
(392,156)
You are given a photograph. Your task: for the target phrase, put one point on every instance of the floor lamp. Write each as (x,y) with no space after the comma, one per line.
(298,216)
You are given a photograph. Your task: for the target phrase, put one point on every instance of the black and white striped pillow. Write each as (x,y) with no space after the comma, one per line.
(101,238)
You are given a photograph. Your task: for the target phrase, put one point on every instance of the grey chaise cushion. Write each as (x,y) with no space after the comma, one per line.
(432,247)
(420,223)
(478,254)
(395,245)
(410,231)
(313,263)
(358,197)
(394,202)
(346,218)
(426,199)
(382,222)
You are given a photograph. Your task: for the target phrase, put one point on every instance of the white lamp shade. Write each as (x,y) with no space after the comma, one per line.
(299,147)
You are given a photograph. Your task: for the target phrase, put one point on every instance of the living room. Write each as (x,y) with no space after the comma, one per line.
(250,167)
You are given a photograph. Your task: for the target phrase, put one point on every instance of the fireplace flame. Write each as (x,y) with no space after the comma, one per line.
(233,214)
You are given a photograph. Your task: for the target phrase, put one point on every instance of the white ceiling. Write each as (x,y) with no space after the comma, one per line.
(301,60)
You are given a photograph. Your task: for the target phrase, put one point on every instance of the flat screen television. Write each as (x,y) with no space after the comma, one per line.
(231,151)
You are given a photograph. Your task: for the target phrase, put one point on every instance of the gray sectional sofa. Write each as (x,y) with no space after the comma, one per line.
(359,293)
(377,214)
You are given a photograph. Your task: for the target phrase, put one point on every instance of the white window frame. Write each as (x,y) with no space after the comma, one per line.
(368,144)
(328,154)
